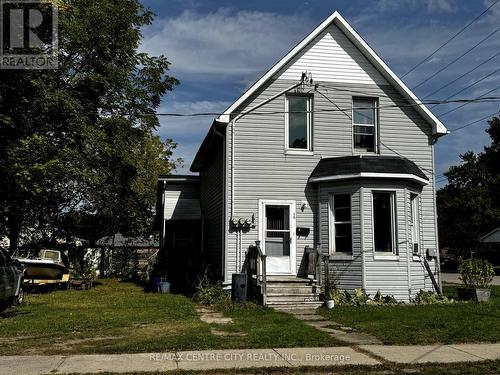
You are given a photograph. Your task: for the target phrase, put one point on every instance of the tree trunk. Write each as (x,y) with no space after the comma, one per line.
(14,229)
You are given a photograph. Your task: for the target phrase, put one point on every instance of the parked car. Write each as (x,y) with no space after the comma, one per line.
(11,281)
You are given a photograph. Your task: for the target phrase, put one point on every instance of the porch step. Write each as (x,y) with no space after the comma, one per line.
(291,292)
(295,298)
(289,280)
(292,289)
(287,306)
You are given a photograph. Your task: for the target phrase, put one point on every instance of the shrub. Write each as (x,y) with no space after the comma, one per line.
(212,295)
(476,273)
(428,297)
(360,298)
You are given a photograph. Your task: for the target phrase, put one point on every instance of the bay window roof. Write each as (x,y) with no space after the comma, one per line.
(368,166)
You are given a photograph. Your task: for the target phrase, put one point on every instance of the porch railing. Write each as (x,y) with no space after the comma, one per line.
(317,266)
(257,269)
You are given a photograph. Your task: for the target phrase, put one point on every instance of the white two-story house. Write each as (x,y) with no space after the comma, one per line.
(328,153)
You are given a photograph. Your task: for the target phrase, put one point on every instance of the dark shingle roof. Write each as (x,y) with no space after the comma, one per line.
(354,165)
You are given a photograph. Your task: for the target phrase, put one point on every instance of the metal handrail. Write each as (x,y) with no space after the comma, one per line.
(262,272)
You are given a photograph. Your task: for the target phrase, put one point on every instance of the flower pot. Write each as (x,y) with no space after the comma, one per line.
(330,303)
(474,294)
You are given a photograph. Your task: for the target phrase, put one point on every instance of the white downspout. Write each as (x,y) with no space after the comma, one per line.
(409,251)
(362,239)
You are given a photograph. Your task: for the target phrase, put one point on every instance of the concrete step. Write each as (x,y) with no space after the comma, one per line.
(292,298)
(292,289)
(287,306)
(285,280)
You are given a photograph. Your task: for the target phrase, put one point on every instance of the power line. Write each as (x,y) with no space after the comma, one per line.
(474,122)
(463,105)
(461,76)
(482,99)
(450,39)
(335,104)
(473,84)
(458,58)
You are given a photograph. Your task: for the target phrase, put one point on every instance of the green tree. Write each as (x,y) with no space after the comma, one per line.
(78,144)
(469,205)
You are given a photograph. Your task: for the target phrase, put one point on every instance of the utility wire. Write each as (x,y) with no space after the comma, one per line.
(450,39)
(482,99)
(335,104)
(474,122)
(458,58)
(461,76)
(471,85)
(463,105)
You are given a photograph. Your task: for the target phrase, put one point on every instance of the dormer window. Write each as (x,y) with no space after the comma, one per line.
(364,124)
(298,122)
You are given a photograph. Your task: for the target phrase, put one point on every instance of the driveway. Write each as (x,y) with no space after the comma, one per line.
(453,278)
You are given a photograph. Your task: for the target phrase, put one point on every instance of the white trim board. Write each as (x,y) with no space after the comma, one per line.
(437,126)
(401,176)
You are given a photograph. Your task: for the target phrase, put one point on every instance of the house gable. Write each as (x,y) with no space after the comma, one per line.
(332,27)
(332,57)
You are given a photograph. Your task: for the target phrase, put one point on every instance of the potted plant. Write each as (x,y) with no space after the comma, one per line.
(329,292)
(476,275)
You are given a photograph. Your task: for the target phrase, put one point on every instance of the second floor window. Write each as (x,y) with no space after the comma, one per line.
(298,122)
(364,124)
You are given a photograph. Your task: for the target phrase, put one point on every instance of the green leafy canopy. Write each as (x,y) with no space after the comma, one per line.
(78,150)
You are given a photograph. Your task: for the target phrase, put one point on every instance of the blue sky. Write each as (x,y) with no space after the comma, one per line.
(218,48)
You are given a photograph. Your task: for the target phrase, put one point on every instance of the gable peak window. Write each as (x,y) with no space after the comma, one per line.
(298,122)
(364,124)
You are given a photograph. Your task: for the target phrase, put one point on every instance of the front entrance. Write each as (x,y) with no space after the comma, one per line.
(277,236)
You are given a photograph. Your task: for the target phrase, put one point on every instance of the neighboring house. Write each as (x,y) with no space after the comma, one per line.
(329,149)
(491,246)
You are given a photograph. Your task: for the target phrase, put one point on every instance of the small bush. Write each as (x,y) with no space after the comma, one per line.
(476,273)
(360,298)
(212,295)
(428,297)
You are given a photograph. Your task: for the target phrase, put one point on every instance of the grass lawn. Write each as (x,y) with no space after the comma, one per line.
(465,368)
(118,317)
(421,324)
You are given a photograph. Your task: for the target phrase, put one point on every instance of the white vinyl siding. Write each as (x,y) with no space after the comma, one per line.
(332,57)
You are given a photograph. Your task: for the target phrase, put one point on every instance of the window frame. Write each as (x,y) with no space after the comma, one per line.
(394,254)
(309,118)
(414,223)
(375,101)
(332,222)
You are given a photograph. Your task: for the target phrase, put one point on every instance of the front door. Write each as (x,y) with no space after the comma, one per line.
(278,236)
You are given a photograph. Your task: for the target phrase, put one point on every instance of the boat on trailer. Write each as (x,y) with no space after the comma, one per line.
(43,266)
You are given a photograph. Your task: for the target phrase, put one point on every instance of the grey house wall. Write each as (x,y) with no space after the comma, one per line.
(212,209)
(263,170)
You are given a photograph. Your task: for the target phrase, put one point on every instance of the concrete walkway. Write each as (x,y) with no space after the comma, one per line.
(343,333)
(247,358)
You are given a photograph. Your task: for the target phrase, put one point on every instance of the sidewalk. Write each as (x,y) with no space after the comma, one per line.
(246,358)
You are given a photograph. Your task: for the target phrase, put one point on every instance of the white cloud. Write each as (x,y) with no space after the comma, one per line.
(439,6)
(224,42)
(433,6)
